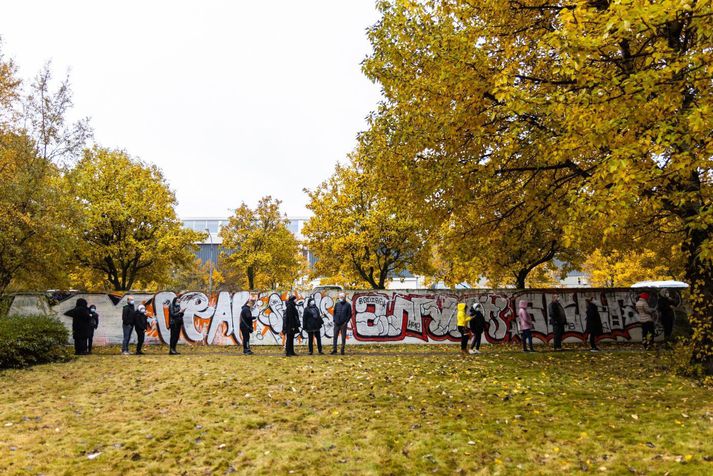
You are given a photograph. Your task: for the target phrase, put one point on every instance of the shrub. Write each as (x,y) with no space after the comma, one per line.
(30,340)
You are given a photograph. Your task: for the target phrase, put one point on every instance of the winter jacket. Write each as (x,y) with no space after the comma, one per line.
(81,317)
(665,307)
(175,315)
(127,315)
(292,317)
(557,314)
(342,312)
(594,321)
(646,314)
(311,318)
(524,320)
(246,318)
(463,318)
(477,319)
(140,320)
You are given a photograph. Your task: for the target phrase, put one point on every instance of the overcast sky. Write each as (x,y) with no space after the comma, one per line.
(232,99)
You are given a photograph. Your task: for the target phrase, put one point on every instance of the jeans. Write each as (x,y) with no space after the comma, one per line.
(175,334)
(647,333)
(558,330)
(128,328)
(526,337)
(312,336)
(140,334)
(290,342)
(343,331)
(476,340)
(245,336)
(463,337)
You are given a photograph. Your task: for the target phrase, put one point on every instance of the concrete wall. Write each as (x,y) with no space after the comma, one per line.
(416,316)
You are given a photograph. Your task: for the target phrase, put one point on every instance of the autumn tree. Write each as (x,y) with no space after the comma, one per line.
(258,249)
(358,233)
(129,230)
(36,214)
(606,105)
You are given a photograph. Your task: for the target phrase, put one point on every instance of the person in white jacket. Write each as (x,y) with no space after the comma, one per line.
(646,318)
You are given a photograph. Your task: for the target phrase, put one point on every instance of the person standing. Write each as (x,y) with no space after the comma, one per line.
(524,320)
(342,316)
(665,308)
(175,321)
(312,323)
(558,319)
(246,325)
(141,324)
(127,324)
(291,325)
(594,324)
(93,324)
(462,319)
(477,326)
(80,325)
(646,318)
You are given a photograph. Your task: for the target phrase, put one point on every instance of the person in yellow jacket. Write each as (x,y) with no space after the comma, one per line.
(463,319)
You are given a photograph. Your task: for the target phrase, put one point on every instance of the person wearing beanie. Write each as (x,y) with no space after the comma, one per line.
(646,318)
(477,326)
(524,321)
(93,325)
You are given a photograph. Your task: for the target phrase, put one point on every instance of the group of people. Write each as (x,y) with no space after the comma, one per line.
(471,324)
(85,320)
(312,322)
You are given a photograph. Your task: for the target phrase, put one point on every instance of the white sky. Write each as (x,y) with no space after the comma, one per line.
(232,99)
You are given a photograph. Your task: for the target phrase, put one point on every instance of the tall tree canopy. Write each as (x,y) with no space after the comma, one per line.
(129,229)
(259,250)
(359,234)
(600,110)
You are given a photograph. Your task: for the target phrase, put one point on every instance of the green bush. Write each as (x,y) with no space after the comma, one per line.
(30,340)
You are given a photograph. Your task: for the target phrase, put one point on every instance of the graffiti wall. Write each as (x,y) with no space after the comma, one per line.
(418,316)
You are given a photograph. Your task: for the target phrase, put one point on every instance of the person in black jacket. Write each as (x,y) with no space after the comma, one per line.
(291,325)
(477,325)
(141,324)
(312,323)
(594,324)
(80,325)
(127,324)
(342,316)
(175,321)
(558,319)
(246,325)
(93,324)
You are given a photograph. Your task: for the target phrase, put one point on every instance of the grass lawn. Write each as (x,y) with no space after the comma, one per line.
(379,409)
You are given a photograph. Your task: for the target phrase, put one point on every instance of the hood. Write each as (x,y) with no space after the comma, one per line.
(523,304)
(81,302)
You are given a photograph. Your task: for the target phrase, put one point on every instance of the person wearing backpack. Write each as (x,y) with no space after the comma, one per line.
(93,325)
(175,321)
(477,325)
(313,322)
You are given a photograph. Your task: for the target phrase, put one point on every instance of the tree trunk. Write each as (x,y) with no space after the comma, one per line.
(700,277)
(520,278)
(251,278)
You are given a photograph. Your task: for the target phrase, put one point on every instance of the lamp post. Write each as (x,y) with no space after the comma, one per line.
(210,259)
